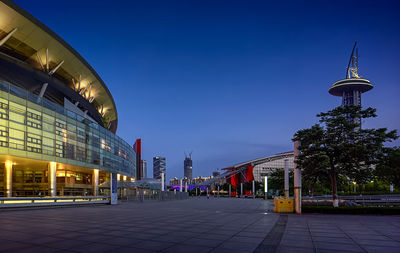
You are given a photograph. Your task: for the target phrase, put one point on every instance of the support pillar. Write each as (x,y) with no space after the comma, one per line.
(297,180)
(286,178)
(52,179)
(8,179)
(230,190)
(391,187)
(266,187)
(95,182)
(218,191)
(162,181)
(180,187)
(254,189)
(186,186)
(114,188)
(241,189)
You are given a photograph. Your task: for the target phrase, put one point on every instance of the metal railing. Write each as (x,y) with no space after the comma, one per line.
(52,201)
(364,200)
(154,195)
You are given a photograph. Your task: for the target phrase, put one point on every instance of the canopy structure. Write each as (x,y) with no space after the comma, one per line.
(31,43)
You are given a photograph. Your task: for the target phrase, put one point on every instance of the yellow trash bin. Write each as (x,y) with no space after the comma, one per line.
(283,205)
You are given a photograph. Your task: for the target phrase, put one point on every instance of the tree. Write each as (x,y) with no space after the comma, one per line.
(388,168)
(340,143)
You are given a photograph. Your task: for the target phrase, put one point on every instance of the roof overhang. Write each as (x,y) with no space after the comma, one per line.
(33,39)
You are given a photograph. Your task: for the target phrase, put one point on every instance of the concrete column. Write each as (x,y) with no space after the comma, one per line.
(125,178)
(114,188)
(391,187)
(180,187)
(254,189)
(186,189)
(230,190)
(53,179)
(286,178)
(297,180)
(266,187)
(8,179)
(95,182)
(218,191)
(241,189)
(162,181)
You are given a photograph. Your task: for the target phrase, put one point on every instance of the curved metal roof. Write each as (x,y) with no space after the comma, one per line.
(33,39)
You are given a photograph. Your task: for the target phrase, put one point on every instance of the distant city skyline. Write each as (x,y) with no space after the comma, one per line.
(230,80)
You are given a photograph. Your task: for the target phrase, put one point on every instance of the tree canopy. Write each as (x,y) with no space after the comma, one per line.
(338,146)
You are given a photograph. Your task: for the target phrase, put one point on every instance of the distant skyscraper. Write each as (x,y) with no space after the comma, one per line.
(159,166)
(144,169)
(188,166)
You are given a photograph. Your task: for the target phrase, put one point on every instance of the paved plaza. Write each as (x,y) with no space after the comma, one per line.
(193,225)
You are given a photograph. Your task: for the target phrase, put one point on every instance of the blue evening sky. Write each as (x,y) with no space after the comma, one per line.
(229,80)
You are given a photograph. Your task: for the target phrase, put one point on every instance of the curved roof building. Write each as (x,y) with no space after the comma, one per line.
(55,112)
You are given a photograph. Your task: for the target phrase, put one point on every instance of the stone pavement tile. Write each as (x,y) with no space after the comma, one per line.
(331,251)
(68,235)
(16,236)
(251,234)
(169,238)
(297,243)
(246,239)
(66,244)
(35,248)
(153,245)
(336,235)
(44,240)
(11,246)
(338,246)
(370,237)
(94,248)
(332,239)
(213,236)
(288,249)
(93,238)
(142,236)
(296,237)
(132,250)
(224,232)
(384,243)
(380,249)
(202,242)
(222,250)
(186,248)
(120,241)
(250,247)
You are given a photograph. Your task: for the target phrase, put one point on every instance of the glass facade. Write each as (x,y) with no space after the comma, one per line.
(264,169)
(33,127)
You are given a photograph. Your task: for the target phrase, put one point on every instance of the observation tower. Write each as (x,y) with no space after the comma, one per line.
(351,88)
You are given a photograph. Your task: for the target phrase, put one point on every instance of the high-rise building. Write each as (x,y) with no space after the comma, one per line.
(159,166)
(144,169)
(188,167)
(351,88)
(58,119)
